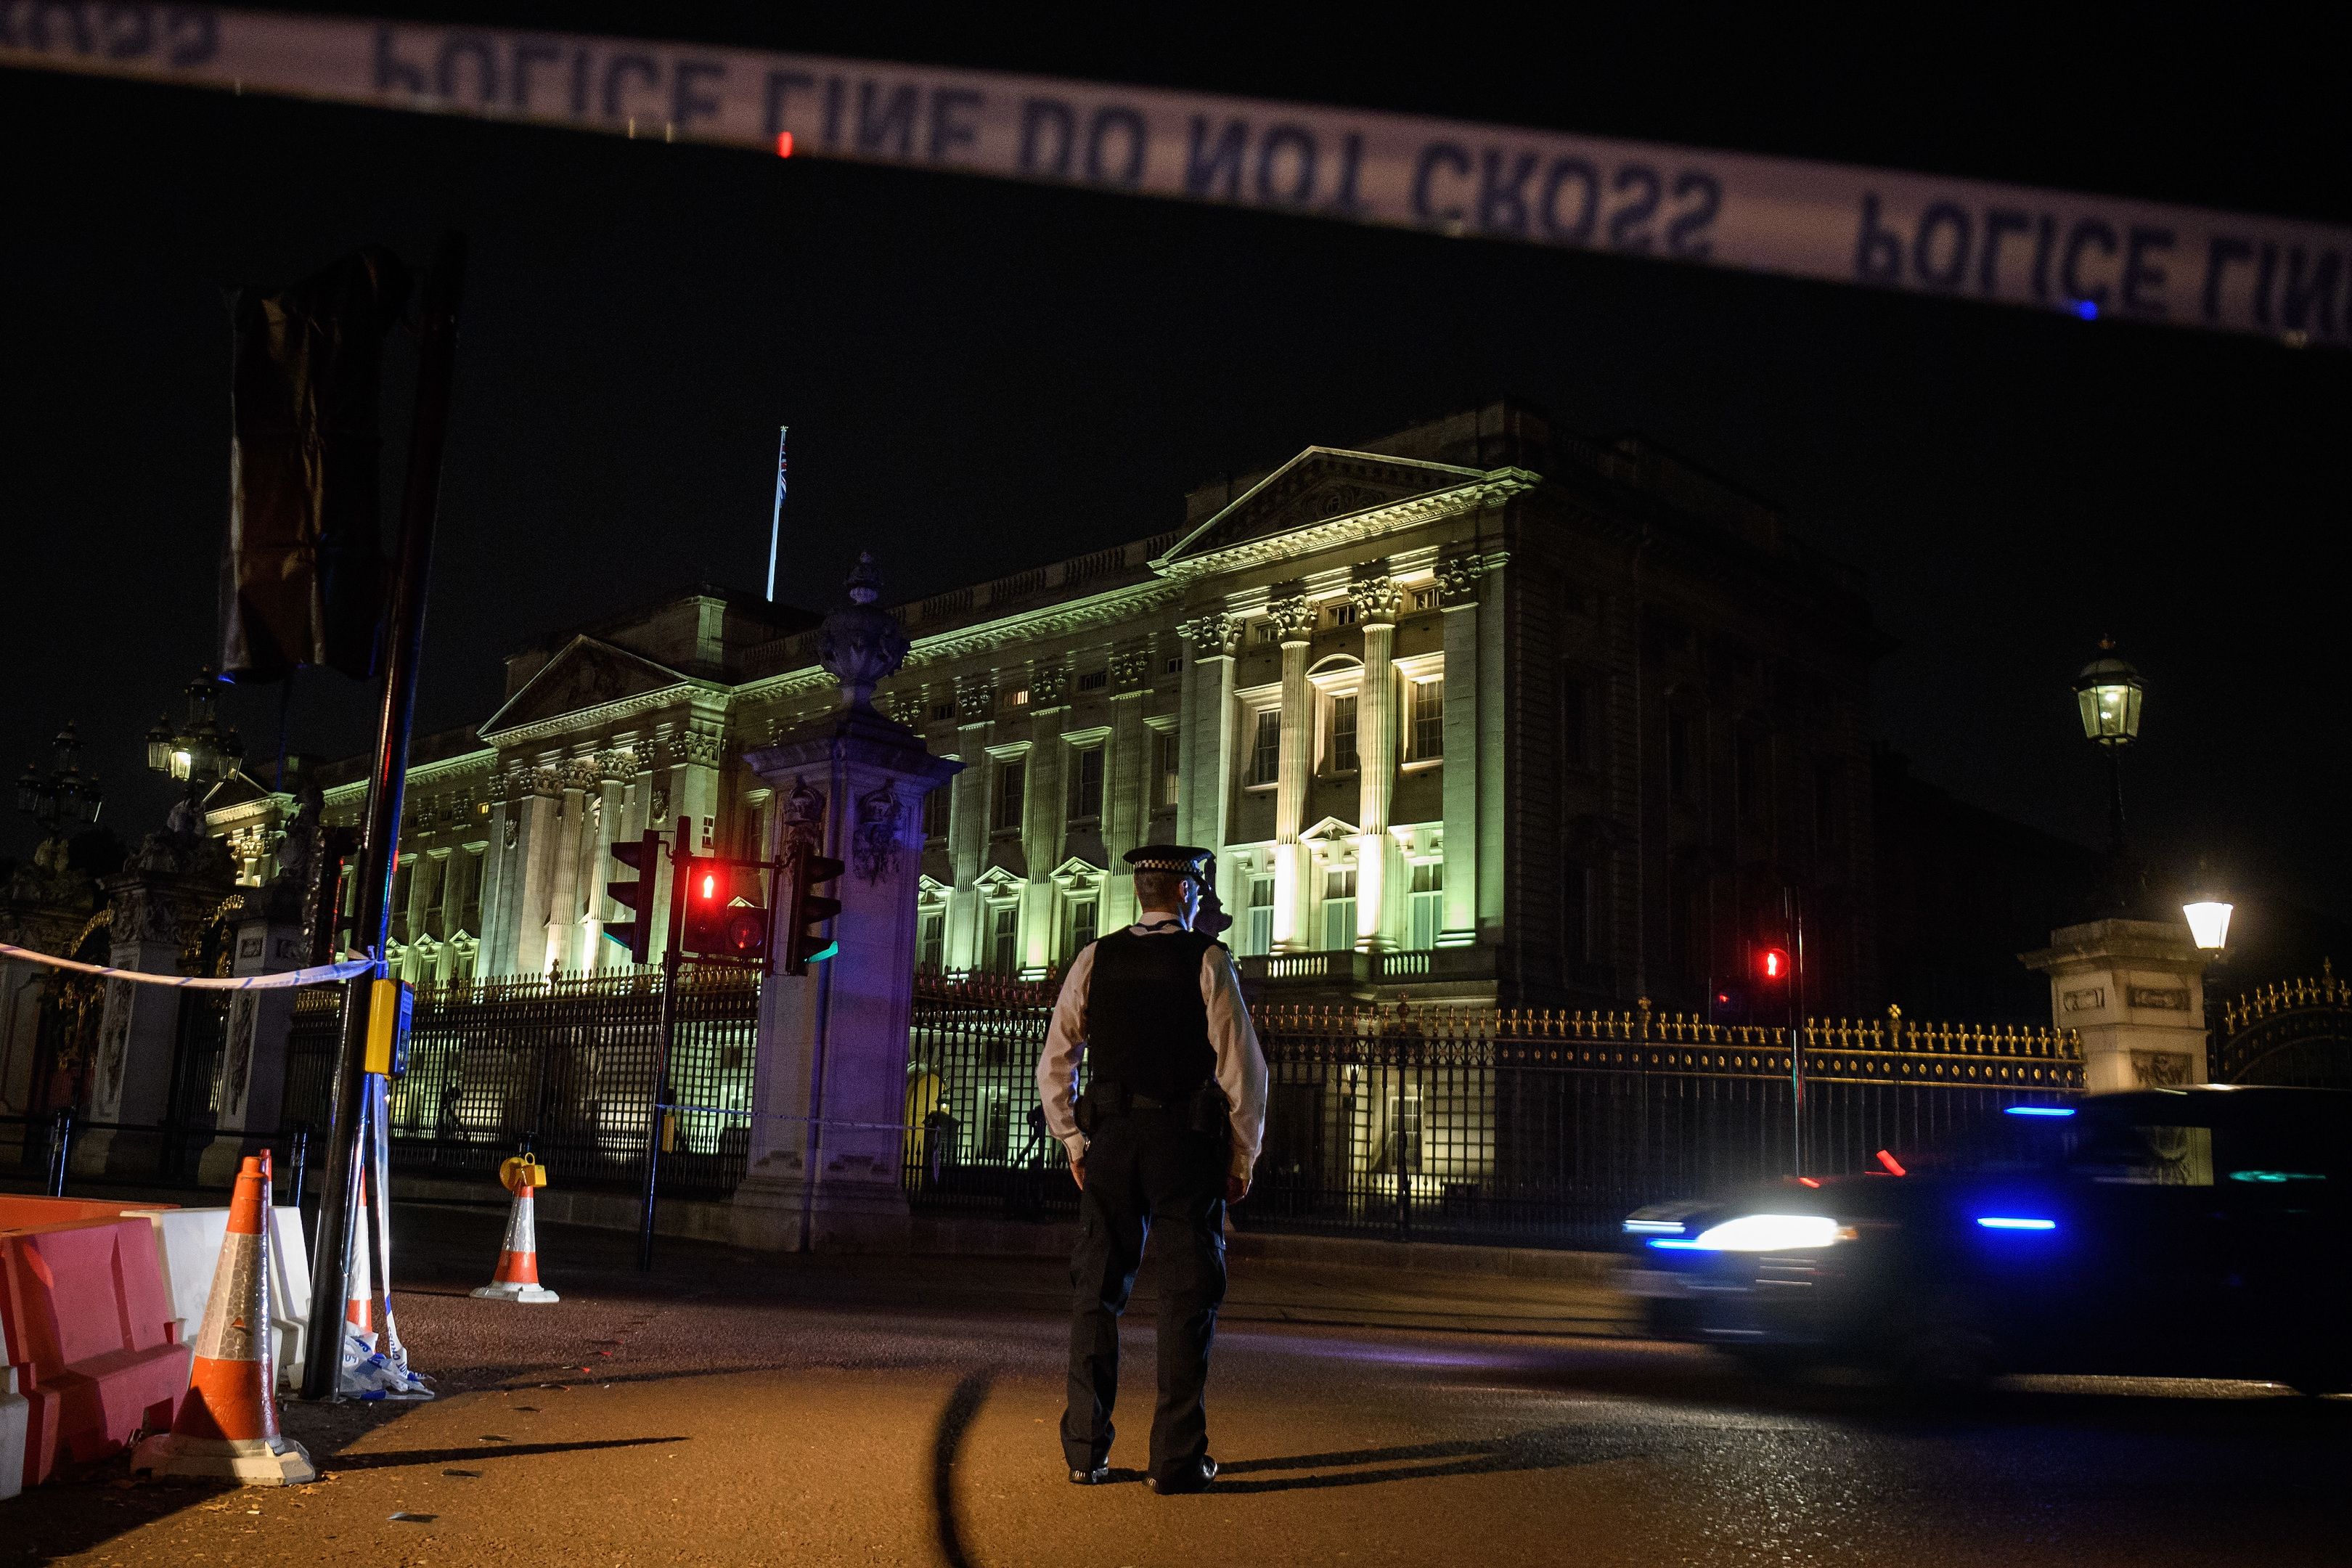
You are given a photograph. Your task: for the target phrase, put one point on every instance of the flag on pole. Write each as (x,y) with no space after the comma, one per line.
(301,576)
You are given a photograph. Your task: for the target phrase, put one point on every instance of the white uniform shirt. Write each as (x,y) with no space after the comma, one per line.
(1241,1064)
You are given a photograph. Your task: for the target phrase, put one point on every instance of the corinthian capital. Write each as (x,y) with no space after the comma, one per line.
(1212,635)
(1294,618)
(1376,600)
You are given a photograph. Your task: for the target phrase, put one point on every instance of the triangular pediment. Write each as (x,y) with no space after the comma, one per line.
(1322,484)
(1330,828)
(587,673)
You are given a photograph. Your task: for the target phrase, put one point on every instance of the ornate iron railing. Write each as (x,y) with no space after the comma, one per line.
(2297,1032)
(567,1061)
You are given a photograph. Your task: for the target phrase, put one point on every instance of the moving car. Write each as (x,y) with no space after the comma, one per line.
(2200,1232)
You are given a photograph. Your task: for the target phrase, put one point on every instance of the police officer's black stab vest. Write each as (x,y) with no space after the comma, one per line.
(1147,1026)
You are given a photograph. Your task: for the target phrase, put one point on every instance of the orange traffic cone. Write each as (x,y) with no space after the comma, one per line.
(359,1306)
(228,1424)
(518,1276)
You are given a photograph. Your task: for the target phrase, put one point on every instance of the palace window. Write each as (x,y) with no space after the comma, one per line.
(935,811)
(1403,1149)
(1004,939)
(1012,778)
(1094,680)
(1428,698)
(1424,598)
(1427,901)
(1086,784)
(931,947)
(1083,912)
(1266,631)
(469,906)
(1265,751)
(1343,734)
(1340,911)
(1163,767)
(942,710)
(1257,930)
(1343,614)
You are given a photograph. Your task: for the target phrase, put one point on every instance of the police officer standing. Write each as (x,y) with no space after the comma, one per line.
(1165,1136)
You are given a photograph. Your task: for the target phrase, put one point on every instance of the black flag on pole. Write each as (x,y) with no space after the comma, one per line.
(302,571)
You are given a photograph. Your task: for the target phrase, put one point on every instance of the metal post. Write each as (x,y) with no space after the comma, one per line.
(402,638)
(299,1161)
(1797,1033)
(60,1152)
(663,1034)
(2115,799)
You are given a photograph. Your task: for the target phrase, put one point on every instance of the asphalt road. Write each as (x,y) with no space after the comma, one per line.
(840,1411)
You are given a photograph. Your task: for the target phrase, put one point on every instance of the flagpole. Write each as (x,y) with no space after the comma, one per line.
(776,519)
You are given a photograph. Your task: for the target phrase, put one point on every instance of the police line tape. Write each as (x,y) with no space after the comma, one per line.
(322,974)
(2087,255)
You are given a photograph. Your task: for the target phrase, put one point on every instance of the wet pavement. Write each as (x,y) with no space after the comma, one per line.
(734,1409)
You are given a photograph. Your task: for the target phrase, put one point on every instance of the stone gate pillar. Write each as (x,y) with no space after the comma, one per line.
(833,1043)
(2135,990)
(177,879)
(253,1062)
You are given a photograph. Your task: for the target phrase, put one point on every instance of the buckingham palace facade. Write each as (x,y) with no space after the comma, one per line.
(1478,712)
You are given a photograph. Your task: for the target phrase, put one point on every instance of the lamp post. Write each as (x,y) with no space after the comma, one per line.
(2207,912)
(2108,692)
(199,754)
(66,798)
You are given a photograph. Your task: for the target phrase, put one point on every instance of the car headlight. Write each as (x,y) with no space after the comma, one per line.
(1769,1233)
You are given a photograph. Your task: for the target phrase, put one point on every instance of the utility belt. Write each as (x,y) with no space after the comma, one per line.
(1206,1110)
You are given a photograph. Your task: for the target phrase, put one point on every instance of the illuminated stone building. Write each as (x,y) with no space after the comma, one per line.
(1476,712)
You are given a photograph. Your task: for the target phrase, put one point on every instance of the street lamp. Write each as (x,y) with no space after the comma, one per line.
(2108,691)
(2207,912)
(63,799)
(198,754)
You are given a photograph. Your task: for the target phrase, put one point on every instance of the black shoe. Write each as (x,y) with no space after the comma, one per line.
(1096,1477)
(1195,1479)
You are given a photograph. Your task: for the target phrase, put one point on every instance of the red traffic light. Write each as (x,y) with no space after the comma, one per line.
(725,917)
(1773,964)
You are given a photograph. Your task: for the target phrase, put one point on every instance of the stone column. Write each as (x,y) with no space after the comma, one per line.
(833,1043)
(2136,989)
(563,871)
(1459,583)
(543,816)
(967,828)
(253,1064)
(1295,618)
(496,939)
(1493,665)
(610,818)
(131,1083)
(1126,785)
(1207,747)
(1377,602)
(1045,812)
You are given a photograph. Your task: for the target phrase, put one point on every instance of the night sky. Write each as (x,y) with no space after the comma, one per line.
(980,376)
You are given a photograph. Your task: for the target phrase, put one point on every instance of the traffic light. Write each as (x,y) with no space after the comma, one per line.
(1772,965)
(724,917)
(803,908)
(636,935)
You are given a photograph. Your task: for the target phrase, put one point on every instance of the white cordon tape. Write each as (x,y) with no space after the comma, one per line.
(320,975)
(2087,255)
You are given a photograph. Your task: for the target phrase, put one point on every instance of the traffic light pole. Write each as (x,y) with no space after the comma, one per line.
(402,638)
(664,1033)
(1796,912)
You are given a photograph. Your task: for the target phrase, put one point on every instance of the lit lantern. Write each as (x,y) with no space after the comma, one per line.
(2109,690)
(2208,923)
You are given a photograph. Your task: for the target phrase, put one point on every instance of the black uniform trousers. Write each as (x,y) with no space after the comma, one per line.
(1147,1170)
